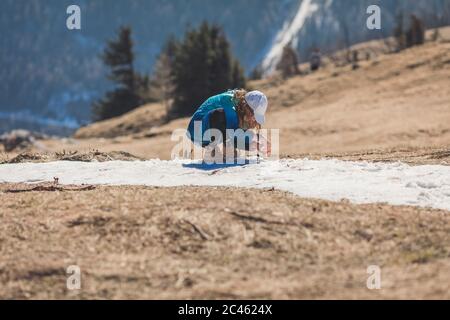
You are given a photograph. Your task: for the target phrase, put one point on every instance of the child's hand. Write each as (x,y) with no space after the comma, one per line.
(262,145)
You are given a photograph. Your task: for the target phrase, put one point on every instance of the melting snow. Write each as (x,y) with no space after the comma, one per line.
(287,34)
(359,182)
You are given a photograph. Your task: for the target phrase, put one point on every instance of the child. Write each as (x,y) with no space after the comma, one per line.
(234,109)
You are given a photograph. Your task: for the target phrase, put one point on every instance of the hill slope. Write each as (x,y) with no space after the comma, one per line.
(142,119)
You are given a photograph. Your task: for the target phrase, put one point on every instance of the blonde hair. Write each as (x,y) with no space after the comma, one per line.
(244,111)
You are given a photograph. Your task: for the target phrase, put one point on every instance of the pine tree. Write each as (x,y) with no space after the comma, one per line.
(170,48)
(220,64)
(203,66)
(257,73)
(144,89)
(288,64)
(162,82)
(119,57)
(399,33)
(237,76)
(416,33)
(413,36)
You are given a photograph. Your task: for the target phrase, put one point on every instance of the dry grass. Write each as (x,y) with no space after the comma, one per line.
(409,155)
(93,155)
(138,242)
(139,120)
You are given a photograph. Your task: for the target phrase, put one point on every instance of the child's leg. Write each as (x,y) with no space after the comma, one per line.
(212,154)
(230,152)
(224,152)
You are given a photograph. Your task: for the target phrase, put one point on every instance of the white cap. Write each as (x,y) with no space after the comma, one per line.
(258,102)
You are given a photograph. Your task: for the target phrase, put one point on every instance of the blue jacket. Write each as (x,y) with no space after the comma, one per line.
(223,101)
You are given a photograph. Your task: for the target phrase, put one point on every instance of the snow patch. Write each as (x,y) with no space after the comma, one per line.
(359,182)
(287,34)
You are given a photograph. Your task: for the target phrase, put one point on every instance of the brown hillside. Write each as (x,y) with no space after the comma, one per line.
(141,119)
